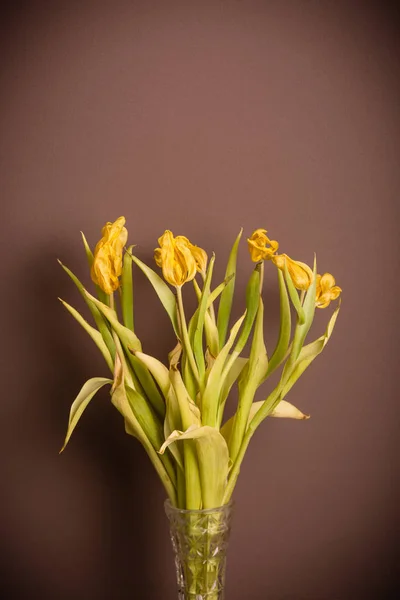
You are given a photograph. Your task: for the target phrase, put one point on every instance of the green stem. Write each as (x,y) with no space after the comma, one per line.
(185,335)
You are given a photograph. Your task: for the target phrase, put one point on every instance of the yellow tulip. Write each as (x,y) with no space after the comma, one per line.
(260,246)
(176,259)
(107,259)
(326,290)
(300,273)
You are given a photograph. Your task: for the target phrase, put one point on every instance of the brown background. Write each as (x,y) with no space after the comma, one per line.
(199,117)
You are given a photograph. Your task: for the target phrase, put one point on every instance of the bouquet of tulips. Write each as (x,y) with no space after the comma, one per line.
(177,410)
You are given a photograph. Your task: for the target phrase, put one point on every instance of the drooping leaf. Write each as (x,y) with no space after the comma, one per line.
(225,304)
(283,410)
(97,316)
(158,370)
(93,333)
(127,336)
(120,401)
(87,392)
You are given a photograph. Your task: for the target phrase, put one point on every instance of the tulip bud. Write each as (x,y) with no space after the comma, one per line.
(175,258)
(107,259)
(300,273)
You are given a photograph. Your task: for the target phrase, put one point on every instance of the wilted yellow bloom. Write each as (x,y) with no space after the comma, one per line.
(260,246)
(176,259)
(326,290)
(300,273)
(107,259)
(199,255)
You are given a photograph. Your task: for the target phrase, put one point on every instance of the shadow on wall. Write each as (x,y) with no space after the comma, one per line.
(94,514)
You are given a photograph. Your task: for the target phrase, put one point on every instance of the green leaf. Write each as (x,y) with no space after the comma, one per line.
(189,411)
(127,290)
(218,290)
(216,379)
(120,401)
(94,334)
(166,296)
(148,385)
(97,316)
(283,410)
(198,333)
(173,421)
(252,303)
(225,304)
(294,296)
(158,370)
(303,328)
(231,377)
(212,339)
(285,327)
(127,336)
(102,296)
(250,380)
(87,392)
(309,353)
(213,457)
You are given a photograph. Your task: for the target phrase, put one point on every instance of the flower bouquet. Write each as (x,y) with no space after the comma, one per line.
(176,410)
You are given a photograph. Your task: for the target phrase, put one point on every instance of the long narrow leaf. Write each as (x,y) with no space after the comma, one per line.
(216,379)
(94,334)
(166,296)
(97,316)
(225,304)
(285,326)
(87,392)
(294,296)
(198,333)
(127,290)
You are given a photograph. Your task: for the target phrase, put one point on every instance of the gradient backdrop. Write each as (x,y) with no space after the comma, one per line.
(201,117)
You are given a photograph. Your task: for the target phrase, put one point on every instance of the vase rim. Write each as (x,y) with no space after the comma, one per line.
(201,511)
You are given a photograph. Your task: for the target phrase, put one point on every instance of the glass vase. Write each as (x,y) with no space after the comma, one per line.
(200,542)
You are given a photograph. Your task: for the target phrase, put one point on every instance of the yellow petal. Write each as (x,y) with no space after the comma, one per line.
(107,259)
(260,246)
(175,258)
(300,273)
(327,282)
